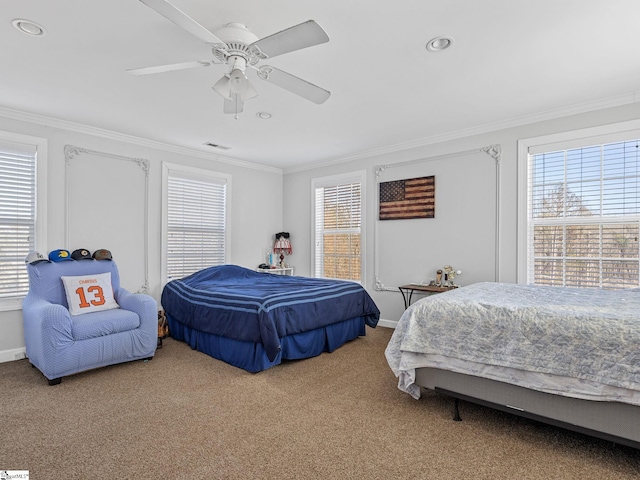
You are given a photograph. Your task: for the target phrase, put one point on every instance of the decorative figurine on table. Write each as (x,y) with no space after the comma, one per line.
(449,275)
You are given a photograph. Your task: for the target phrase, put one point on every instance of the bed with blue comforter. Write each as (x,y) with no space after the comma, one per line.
(255,320)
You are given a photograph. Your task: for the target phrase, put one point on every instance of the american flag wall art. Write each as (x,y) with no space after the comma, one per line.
(410,198)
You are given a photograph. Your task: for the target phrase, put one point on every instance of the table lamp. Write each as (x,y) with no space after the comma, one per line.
(282,246)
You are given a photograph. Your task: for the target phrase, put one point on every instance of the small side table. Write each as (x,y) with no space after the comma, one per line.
(277,271)
(407,291)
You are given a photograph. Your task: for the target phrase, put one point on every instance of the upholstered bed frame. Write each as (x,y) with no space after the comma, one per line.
(613,421)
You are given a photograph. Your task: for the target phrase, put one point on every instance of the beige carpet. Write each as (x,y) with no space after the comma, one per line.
(337,416)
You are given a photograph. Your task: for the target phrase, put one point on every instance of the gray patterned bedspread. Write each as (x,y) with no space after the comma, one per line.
(588,334)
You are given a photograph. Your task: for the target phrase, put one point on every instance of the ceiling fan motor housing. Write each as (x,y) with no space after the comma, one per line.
(237,38)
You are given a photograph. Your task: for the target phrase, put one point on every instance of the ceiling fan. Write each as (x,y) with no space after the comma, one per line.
(238,48)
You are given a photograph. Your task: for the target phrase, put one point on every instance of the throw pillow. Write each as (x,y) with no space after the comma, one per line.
(89,293)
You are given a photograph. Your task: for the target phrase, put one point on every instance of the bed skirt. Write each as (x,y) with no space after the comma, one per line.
(252,357)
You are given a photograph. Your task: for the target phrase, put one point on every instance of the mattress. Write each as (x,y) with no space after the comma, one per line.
(573,342)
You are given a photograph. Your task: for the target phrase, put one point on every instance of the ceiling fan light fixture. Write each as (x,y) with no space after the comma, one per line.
(223,88)
(238,82)
(438,44)
(250,92)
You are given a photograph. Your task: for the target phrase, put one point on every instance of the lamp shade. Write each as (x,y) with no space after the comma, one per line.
(282,245)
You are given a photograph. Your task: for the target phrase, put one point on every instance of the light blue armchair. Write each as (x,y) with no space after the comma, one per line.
(61,344)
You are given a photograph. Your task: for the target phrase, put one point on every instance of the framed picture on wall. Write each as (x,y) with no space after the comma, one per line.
(410,198)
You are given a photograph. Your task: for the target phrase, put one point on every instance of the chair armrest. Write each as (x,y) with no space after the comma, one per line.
(47,318)
(46,325)
(143,305)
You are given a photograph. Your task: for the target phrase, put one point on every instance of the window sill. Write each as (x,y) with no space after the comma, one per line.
(11,304)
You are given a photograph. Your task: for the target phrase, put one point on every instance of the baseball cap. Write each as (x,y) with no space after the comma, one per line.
(59,255)
(81,254)
(102,254)
(35,257)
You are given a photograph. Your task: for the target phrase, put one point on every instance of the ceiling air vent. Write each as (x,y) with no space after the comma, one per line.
(215,145)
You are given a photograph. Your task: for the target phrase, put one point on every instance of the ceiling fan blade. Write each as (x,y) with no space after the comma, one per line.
(294,84)
(233,105)
(168,68)
(305,35)
(184,21)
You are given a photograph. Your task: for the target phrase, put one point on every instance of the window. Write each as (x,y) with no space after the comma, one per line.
(195,220)
(21,206)
(338,227)
(583,214)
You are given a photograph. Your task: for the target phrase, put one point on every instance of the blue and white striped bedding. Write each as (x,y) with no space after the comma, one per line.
(238,303)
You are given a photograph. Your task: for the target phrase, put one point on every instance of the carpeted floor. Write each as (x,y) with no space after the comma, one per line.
(336,416)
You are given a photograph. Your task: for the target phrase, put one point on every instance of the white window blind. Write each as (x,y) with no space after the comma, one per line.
(584,216)
(196,223)
(338,236)
(17,216)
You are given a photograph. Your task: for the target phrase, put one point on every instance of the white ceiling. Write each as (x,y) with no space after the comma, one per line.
(512,61)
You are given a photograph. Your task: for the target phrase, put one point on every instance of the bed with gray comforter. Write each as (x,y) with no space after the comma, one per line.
(564,355)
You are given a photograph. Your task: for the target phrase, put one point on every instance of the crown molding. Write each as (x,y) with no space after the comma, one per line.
(123,137)
(600,104)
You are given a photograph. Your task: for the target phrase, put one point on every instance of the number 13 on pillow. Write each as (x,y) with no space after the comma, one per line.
(89,293)
(95,291)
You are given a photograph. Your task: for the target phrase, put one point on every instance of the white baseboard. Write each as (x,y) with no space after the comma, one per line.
(387,323)
(13,354)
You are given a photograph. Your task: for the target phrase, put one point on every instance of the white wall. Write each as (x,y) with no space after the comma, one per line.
(431,252)
(256,203)
(265,202)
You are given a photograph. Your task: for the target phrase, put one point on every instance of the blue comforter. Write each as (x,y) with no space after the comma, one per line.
(238,303)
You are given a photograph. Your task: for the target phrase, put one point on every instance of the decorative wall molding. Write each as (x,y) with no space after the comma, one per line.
(494,151)
(72,152)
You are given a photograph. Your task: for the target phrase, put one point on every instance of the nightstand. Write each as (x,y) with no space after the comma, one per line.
(407,291)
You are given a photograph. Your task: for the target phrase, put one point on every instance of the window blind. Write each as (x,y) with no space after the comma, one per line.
(17,217)
(196,224)
(338,231)
(584,216)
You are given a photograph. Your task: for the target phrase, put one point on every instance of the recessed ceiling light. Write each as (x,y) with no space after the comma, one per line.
(263,115)
(439,44)
(28,27)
